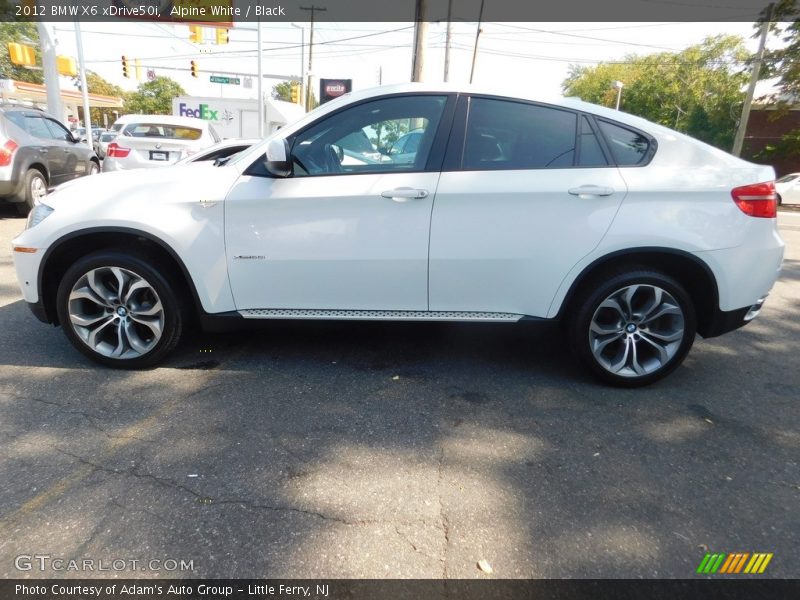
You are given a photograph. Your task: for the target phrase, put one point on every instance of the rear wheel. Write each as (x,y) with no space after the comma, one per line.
(634,328)
(34,189)
(119,310)
(94,168)
(780,200)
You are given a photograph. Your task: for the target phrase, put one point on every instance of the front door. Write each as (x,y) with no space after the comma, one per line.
(349,229)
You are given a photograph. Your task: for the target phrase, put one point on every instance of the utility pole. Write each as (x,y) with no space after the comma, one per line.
(50,72)
(738,141)
(87,115)
(302,56)
(420,37)
(260,86)
(312,8)
(475,50)
(447,42)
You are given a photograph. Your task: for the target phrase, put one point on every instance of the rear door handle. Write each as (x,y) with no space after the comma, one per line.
(585,191)
(405,193)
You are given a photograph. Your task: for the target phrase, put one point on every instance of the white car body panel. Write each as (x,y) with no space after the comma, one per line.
(501,241)
(329,242)
(182,206)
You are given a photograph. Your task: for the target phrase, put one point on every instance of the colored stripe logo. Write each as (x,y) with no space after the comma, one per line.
(734,564)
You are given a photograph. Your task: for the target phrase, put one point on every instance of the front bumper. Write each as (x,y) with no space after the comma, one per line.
(39,311)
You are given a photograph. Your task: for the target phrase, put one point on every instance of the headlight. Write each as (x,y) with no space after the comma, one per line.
(39,213)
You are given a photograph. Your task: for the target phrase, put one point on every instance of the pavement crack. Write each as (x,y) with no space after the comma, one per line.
(444,521)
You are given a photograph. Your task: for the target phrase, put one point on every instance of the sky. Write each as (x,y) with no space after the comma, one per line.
(531,57)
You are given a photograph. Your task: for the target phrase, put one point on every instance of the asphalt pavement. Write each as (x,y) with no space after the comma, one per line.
(396,450)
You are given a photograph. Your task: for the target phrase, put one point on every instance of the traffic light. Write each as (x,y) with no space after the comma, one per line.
(295,93)
(193,67)
(22,55)
(66,65)
(222,36)
(195,34)
(125,72)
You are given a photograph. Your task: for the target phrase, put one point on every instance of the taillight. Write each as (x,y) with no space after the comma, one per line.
(757,200)
(114,150)
(7,152)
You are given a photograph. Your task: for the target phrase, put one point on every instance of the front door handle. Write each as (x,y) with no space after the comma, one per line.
(586,191)
(405,193)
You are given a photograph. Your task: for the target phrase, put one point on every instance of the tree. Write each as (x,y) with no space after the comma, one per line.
(698,91)
(283,90)
(153,97)
(98,85)
(23,33)
(783,63)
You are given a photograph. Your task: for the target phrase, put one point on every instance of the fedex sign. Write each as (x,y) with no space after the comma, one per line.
(201,112)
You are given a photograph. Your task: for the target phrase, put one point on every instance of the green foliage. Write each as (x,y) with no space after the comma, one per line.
(698,91)
(153,97)
(98,85)
(22,33)
(283,90)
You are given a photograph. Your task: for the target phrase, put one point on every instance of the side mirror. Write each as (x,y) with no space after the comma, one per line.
(278,161)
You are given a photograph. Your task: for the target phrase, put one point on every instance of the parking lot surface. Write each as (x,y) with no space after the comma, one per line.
(397,450)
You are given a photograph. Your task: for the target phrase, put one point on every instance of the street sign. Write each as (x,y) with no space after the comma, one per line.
(228,80)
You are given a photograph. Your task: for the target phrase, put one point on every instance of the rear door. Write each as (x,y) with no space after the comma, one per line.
(75,155)
(527,190)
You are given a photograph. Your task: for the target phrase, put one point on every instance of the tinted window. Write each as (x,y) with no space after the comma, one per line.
(37,127)
(786,178)
(58,131)
(359,139)
(628,147)
(511,135)
(17,118)
(591,154)
(159,130)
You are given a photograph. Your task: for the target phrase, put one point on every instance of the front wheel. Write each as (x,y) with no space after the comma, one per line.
(119,310)
(634,329)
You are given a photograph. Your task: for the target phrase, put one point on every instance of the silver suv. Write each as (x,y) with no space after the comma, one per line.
(37,153)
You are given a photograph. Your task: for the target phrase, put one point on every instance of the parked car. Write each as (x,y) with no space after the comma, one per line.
(36,153)
(632,235)
(405,148)
(102,143)
(223,150)
(788,189)
(157,141)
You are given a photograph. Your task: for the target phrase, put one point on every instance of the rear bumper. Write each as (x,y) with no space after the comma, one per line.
(723,321)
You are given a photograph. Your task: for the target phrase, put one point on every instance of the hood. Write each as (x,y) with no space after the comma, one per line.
(144,187)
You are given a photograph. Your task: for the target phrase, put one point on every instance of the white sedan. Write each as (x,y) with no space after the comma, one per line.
(157,141)
(788,189)
(634,236)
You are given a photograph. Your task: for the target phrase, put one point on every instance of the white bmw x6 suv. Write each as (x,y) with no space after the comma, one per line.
(634,236)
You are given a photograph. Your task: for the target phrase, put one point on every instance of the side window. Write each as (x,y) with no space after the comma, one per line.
(58,131)
(37,127)
(590,152)
(628,147)
(17,118)
(364,138)
(506,135)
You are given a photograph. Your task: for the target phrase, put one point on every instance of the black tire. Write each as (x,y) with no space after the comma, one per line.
(94,167)
(32,180)
(655,364)
(139,265)
(780,200)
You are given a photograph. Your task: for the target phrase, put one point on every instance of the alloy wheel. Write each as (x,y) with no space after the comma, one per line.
(116,312)
(636,330)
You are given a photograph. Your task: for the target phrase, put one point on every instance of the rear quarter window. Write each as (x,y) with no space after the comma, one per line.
(628,147)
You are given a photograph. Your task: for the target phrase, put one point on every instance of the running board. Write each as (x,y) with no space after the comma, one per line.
(378,315)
